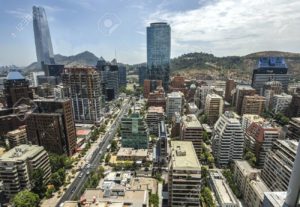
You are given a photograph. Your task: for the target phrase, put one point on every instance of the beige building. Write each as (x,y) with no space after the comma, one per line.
(153,118)
(17,165)
(17,137)
(253,105)
(214,106)
(184,175)
(191,130)
(130,154)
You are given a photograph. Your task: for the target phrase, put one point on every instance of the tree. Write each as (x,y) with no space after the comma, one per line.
(26,198)
(251,158)
(107,158)
(114,145)
(59,161)
(154,200)
(205,137)
(38,182)
(206,197)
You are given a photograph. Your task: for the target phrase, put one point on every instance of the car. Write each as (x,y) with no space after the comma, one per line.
(88,172)
(80,175)
(73,189)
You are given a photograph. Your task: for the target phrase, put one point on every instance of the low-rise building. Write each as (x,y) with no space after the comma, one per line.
(130,154)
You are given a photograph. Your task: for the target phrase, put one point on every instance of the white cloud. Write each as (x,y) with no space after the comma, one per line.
(234,27)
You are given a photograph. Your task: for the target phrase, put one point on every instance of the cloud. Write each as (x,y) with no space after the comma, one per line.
(234,27)
(19,13)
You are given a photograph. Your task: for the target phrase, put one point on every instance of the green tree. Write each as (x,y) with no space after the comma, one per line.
(59,161)
(206,197)
(38,182)
(114,145)
(251,158)
(26,198)
(107,158)
(154,200)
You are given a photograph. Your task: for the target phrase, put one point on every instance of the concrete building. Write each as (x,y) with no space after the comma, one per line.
(122,76)
(240,92)
(34,76)
(52,126)
(151,86)
(253,105)
(134,132)
(184,175)
(230,85)
(214,106)
(294,129)
(174,104)
(191,130)
(192,108)
(153,118)
(200,95)
(279,164)
(224,196)
(248,119)
(162,145)
(274,199)
(17,137)
(294,109)
(157,98)
(259,138)
(227,139)
(280,103)
(270,89)
(130,154)
(17,165)
(83,87)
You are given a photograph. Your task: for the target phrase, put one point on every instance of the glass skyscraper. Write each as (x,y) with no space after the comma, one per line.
(159,52)
(44,50)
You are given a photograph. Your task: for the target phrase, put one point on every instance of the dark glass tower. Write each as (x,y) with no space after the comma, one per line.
(44,50)
(159,52)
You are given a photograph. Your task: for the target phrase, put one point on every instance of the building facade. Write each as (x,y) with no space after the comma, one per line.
(174,104)
(294,129)
(280,103)
(153,118)
(214,106)
(253,105)
(240,92)
(17,137)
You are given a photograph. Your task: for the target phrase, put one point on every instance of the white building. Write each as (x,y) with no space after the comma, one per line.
(34,77)
(227,139)
(280,103)
(174,104)
(248,119)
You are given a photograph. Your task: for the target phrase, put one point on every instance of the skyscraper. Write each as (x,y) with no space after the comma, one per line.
(43,45)
(158,52)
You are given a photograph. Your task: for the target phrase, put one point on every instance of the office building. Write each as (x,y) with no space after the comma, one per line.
(253,105)
(259,138)
(43,44)
(184,175)
(17,137)
(230,85)
(16,89)
(52,126)
(159,52)
(150,86)
(191,130)
(82,86)
(222,192)
(54,70)
(162,144)
(134,132)
(213,109)
(174,104)
(157,98)
(279,164)
(280,103)
(248,119)
(270,69)
(240,92)
(122,76)
(294,109)
(142,71)
(227,139)
(153,118)
(17,166)
(294,129)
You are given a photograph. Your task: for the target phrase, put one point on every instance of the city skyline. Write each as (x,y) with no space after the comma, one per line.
(205,26)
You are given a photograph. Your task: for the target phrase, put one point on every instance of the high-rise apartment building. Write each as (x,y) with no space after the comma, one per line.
(17,137)
(227,139)
(159,52)
(17,166)
(43,44)
(153,118)
(184,175)
(230,85)
(213,109)
(248,119)
(134,132)
(82,85)
(280,103)
(200,95)
(16,89)
(174,104)
(191,130)
(270,69)
(240,92)
(253,105)
(52,126)
(294,129)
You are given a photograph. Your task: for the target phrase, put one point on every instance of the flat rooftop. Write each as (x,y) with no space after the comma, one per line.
(259,187)
(244,87)
(184,155)
(245,167)
(253,117)
(155,109)
(124,151)
(175,95)
(191,121)
(21,152)
(276,198)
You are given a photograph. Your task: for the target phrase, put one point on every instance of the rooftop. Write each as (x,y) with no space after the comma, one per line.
(232,116)
(175,94)
(245,167)
(155,109)
(253,117)
(14,75)
(82,132)
(191,121)
(244,87)
(21,152)
(277,199)
(259,186)
(184,155)
(123,151)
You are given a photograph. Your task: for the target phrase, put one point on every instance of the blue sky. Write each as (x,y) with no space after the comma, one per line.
(221,27)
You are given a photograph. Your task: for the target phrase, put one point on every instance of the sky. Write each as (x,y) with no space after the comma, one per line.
(117,28)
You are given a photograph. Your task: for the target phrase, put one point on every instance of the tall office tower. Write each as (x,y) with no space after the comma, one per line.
(122,76)
(134,132)
(153,118)
(294,109)
(278,165)
(294,129)
(268,69)
(142,70)
(213,109)
(16,89)
(17,166)
(230,85)
(259,138)
(109,74)
(159,52)
(253,105)
(174,104)
(17,137)
(151,86)
(240,93)
(83,87)
(191,130)
(184,175)
(52,126)
(43,45)
(228,139)
(280,103)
